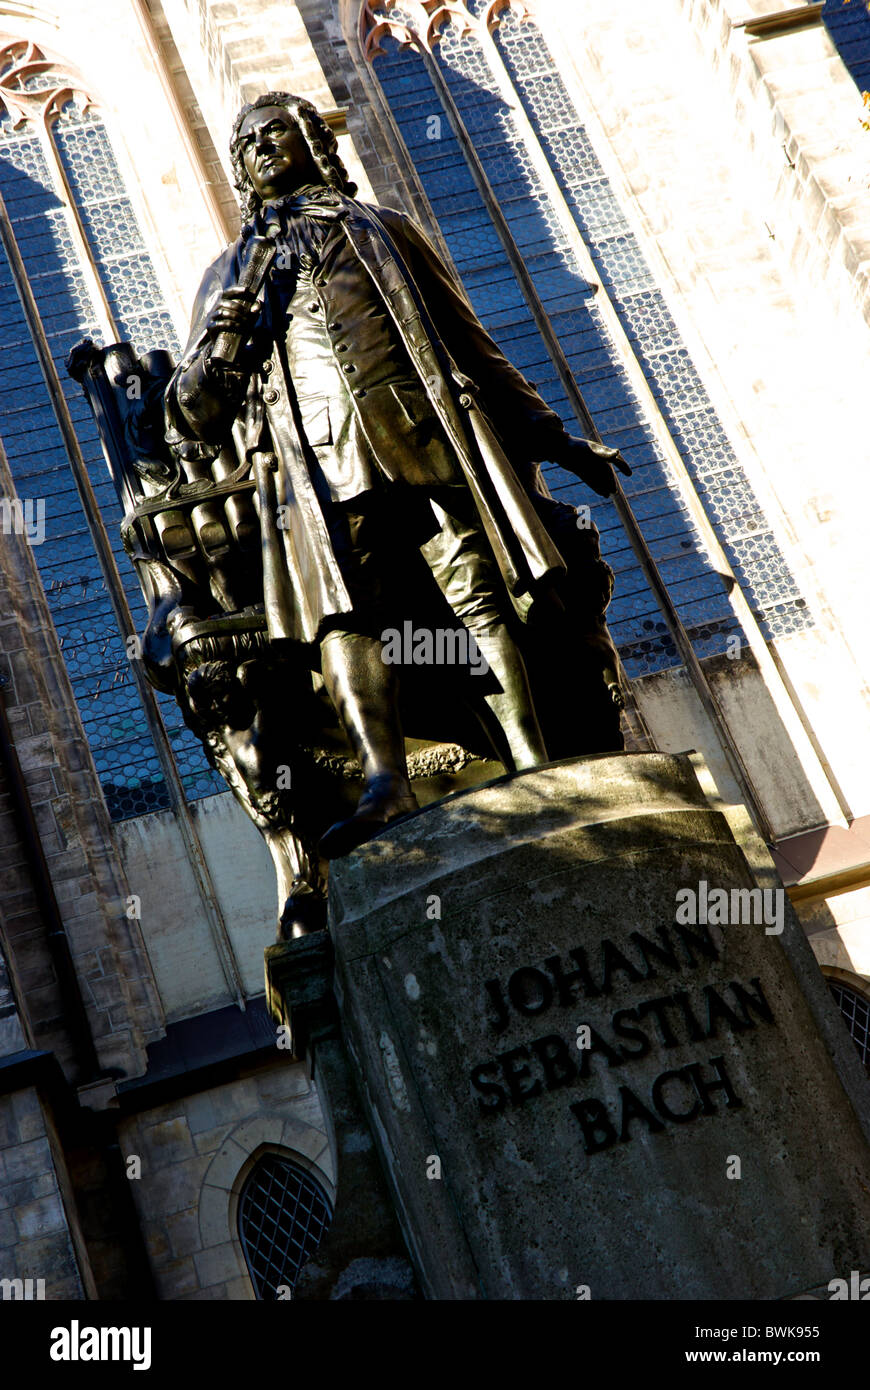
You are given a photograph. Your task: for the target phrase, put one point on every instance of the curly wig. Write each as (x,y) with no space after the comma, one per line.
(317,135)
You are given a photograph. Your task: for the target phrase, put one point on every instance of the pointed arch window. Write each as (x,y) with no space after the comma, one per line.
(511,172)
(90,274)
(855,1009)
(283,1216)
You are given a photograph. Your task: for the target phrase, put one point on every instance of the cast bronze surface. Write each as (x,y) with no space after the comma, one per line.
(346,452)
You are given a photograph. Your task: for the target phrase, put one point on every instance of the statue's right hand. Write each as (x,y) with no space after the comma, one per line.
(236,312)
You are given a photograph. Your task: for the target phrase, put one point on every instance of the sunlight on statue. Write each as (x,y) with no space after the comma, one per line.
(347,454)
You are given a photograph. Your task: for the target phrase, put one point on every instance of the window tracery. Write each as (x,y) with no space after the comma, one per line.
(90,274)
(855,1008)
(283,1217)
(509,123)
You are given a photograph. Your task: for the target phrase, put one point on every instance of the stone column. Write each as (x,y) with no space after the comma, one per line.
(596,1062)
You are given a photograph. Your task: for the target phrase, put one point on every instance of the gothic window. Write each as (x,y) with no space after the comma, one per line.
(90,274)
(283,1216)
(856,1013)
(554,270)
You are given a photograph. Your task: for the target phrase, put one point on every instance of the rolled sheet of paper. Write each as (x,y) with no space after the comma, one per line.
(258,256)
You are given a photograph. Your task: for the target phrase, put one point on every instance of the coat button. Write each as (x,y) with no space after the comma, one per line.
(333,327)
(341,347)
(348,367)
(360,392)
(267,367)
(270,397)
(315,308)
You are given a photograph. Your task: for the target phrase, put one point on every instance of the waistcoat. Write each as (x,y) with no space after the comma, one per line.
(362,408)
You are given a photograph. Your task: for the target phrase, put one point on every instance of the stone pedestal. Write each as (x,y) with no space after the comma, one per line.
(584,1077)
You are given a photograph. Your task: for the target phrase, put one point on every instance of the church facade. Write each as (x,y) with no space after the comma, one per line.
(666,226)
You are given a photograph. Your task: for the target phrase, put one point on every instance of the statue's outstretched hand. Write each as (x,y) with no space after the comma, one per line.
(593,463)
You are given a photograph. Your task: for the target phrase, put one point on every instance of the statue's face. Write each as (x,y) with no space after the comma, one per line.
(274,152)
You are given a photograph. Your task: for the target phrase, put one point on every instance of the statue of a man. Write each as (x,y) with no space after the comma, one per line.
(401,449)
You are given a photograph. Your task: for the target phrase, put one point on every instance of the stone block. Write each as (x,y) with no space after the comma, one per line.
(214,1225)
(36,752)
(173,1188)
(26,1161)
(585,1048)
(304,1139)
(12,1040)
(307,1109)
(224,1166)
(50,1258)
(8,1231)
(157,1243)
(9,1135)
(168,1141)
(177,1279)
(234,1103)
(28,1113)
(240,1289)
(40,1218)
(284,1082)
(218,1263)
(262,1129)
(16,1194)
(210,1140)
(325,1164)
(200,1113)
(183,1231)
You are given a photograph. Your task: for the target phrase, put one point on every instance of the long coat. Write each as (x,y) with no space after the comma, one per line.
(496,424)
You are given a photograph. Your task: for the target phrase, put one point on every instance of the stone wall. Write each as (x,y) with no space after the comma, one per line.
(196,1153)
(35,1238)
(233,52)
(802,119)
(112,969)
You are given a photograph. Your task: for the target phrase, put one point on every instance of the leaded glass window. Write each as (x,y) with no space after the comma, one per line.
(493,60)
(91,275)
(856,1013)
(283,1216)
(848,23)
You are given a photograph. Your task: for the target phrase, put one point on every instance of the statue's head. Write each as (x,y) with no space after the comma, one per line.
(280,142)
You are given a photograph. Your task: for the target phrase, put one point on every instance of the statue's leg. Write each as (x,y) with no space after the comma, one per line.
(516,724)
(570,654)
(301,903)
(466,573)
(364,692)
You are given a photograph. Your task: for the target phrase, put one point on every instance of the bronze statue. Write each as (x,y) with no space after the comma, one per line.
(352,473)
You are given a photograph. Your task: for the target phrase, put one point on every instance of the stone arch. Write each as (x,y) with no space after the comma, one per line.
(418,22)
(856,1015)
(225,1178)
(859,983)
